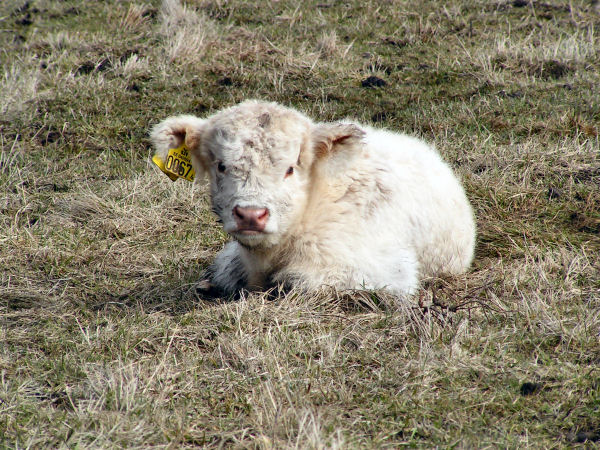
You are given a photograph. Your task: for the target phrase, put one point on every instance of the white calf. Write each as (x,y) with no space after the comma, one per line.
(323,204)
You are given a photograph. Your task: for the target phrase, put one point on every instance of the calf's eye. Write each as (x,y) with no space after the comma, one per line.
(221,167)
(289,172)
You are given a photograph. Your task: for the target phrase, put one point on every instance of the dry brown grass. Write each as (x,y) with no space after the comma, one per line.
(103,342)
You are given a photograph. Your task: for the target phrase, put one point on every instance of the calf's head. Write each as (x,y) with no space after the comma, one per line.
(259,158)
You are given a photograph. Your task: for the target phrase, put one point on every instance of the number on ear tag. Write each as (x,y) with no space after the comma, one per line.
(177,165)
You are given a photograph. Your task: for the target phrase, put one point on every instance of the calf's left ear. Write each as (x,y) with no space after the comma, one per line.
(331,138)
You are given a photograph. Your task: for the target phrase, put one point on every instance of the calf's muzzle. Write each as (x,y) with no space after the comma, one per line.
(250,220)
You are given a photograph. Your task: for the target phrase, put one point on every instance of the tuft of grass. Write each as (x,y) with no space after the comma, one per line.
(19,86)
(103,342)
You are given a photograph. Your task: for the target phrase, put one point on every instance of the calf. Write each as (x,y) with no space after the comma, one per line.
(323,204)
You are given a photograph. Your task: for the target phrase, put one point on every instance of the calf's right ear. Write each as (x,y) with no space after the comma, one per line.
(176,131)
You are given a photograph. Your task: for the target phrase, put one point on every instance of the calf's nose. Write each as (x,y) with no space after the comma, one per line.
(250,219)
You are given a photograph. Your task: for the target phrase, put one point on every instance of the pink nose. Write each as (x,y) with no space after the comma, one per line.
(250,219)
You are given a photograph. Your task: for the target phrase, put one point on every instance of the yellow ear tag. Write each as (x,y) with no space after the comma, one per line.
(177,165)
(161,165)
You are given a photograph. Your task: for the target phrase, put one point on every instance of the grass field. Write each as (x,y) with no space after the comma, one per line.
(103,342)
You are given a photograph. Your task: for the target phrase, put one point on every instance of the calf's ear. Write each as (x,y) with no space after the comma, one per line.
(332,138)
(176,131)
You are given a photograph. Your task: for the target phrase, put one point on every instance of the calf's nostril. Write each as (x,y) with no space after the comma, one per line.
(262,214)
(237,212)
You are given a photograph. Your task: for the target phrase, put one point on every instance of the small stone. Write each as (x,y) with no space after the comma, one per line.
(225,81)
(554,192)
(379,116)
(25,20)
(373,81)
(583,436)
(529,388)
